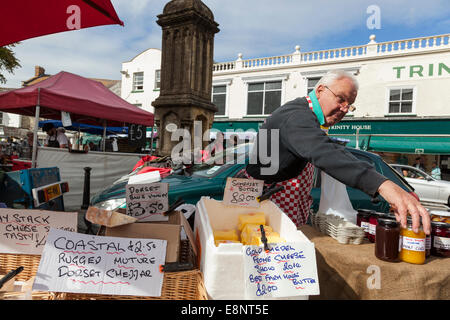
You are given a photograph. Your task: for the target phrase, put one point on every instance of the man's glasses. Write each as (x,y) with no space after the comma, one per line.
(342,101)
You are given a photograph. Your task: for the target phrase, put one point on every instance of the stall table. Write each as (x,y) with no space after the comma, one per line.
(350,271)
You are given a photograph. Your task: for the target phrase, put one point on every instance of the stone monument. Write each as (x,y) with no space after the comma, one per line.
(188,29)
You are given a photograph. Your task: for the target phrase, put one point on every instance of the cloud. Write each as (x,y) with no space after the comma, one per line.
(255,28)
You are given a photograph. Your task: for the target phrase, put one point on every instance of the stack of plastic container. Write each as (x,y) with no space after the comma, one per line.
(336,227)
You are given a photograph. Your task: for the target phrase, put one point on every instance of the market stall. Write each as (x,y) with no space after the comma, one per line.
(352,271)
(74,99)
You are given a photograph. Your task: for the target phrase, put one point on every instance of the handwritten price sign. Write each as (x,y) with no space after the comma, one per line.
(243,192)
(288,269)
(75,262)
(147,202)
(25,231)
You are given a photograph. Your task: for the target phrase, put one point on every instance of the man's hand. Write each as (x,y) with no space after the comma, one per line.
(403,204)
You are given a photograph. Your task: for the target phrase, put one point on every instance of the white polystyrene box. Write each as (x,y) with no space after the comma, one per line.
(223,266)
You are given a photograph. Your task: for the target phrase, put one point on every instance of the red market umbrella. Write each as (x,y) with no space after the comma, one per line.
(25,19)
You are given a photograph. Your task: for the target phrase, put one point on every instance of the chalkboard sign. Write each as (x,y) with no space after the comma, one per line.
(137,134)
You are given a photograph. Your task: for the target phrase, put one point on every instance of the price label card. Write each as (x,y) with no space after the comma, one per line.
(243,192)
(286,270)
(137,134)
(147,202)
(65,119)
(25,231)
(75,262)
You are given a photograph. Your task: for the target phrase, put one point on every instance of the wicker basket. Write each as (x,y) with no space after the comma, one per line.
(35,295)
(30,264)
(185,285)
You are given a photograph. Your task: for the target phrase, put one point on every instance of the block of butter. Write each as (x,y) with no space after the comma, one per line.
(252,228)
(108,218)
(217,242)
(229,234)
(253,218)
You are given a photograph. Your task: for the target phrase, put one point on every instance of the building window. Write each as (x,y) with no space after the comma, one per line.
(219,98)
(157,79)
(263,97)
(401,100)
(138,81)
(311,84)
(1,117)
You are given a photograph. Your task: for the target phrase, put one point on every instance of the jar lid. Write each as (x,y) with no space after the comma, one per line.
(409,223)
(387,222)
(440,224)
(365,212)
(440,213)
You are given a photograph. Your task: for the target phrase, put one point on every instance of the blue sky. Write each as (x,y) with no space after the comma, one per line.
(255,28)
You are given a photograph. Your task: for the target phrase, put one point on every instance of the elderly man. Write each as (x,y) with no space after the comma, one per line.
(302,142)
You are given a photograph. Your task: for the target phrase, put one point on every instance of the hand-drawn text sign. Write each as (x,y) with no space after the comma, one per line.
(147,202)
(243,192)
(75,262)
(25,231)
(287,269)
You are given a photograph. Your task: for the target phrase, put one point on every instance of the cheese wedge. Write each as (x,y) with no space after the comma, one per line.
(252,218)
(108,218)
(229,234)
(250,228)
(273,237)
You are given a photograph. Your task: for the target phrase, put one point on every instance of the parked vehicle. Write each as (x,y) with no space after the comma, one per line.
(210,179)
(427,188)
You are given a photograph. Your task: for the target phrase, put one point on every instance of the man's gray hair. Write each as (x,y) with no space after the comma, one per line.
(334,75)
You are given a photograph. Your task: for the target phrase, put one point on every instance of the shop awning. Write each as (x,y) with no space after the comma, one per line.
(413,144)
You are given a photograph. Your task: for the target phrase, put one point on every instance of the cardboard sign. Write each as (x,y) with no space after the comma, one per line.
(148,201)
(75,262)
(65,119)
(288,269)
(25,231)
(243,192)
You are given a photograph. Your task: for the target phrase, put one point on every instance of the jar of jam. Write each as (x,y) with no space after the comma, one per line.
(440,239)
(427,245)
(412,245)
(362,220)
(387,240)
(373,221)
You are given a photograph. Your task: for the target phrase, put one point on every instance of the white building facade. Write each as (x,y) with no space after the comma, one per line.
(402,107)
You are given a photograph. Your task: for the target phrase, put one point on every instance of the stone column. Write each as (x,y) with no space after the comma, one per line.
(188,29)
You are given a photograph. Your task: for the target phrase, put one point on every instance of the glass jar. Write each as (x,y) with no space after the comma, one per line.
(412,245)
(373,221)
(362,220)
(427,245)
(387,240)
(440,239)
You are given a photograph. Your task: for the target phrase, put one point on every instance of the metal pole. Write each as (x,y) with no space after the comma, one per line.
(151,142)
(357,139)
(104,136)
(36,126)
